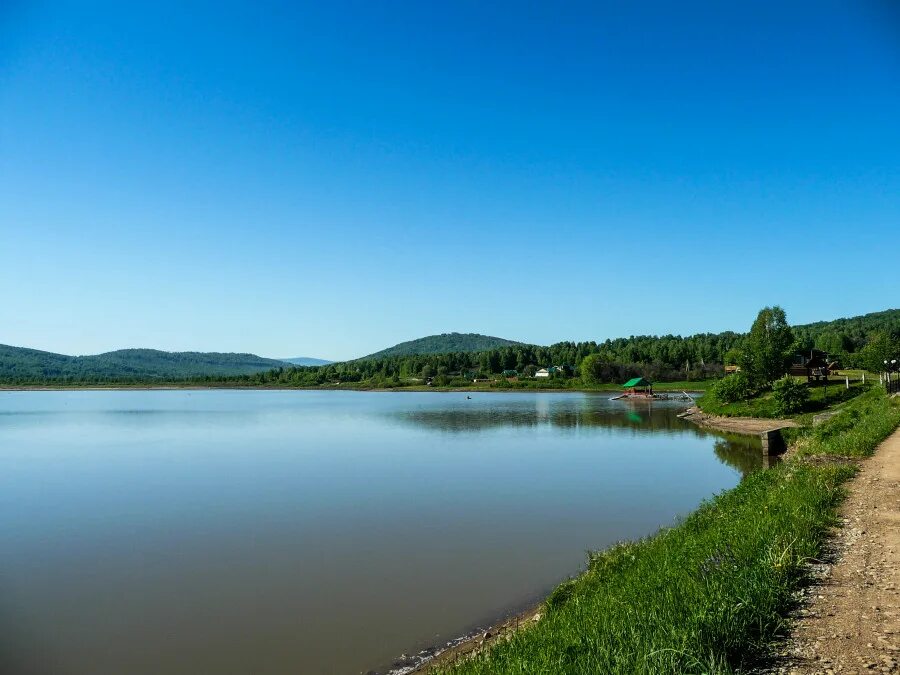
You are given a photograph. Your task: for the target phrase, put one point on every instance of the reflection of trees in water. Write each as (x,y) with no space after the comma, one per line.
(479,419)
(744,453)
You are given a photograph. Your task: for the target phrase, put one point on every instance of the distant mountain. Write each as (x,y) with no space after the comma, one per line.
(444,344)
(21,364)
(306,361)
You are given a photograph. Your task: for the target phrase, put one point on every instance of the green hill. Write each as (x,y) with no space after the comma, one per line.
(306,361)
(445,343)
(848,335)
(19,364)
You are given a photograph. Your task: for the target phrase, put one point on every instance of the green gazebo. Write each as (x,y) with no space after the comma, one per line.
(639,385)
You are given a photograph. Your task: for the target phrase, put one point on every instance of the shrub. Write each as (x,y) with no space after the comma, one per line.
(790,395)
(733,388)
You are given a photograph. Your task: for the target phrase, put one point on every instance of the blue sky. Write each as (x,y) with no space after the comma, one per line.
(327,179)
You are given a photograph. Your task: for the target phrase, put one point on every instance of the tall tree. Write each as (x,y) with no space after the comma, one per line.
(767,350)
(881,347)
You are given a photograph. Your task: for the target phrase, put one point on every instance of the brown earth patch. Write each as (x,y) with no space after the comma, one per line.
(738,425)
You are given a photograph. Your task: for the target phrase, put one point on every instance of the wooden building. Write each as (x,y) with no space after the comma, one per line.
(814,367)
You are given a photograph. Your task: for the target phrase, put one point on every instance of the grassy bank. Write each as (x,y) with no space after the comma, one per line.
(854,431)
(820,398)
(707,595)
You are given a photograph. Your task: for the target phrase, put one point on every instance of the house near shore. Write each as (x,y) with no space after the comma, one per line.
(815,366)
(547,372)
(510,374)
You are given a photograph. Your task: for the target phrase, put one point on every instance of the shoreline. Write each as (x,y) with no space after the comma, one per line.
(750,426)
(797,503)
(468,644)
(414,389)
(471,643)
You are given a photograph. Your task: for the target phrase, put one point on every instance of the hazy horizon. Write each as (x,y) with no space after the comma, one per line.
(328,181)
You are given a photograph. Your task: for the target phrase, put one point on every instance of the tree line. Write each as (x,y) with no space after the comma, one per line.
(765,350)
(858,342)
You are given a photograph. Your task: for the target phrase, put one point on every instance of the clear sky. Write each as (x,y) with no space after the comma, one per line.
(326,179)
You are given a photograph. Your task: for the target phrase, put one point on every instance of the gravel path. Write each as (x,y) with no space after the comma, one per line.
(850,622)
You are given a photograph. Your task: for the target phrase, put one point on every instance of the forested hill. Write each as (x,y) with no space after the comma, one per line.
(445,343)
(842,336)
(21,364)
(306,361)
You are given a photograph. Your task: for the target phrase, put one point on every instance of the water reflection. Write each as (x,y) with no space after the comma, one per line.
(315,532)
(647,417)
(743,453)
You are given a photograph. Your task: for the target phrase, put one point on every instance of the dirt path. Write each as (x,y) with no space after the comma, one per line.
(852,622)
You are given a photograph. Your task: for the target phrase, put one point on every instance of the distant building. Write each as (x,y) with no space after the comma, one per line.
(510,373)
(547,372)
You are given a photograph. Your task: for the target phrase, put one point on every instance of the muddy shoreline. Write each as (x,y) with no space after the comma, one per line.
(481,636)
(751,426)
(476,640)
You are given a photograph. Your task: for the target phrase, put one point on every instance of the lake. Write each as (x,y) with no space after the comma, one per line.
(315,531)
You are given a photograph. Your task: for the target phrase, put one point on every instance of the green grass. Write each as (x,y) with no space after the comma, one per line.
(708,595)
(764,405)
(855,430)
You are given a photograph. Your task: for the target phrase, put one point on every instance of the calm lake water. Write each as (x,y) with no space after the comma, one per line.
(314,532)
